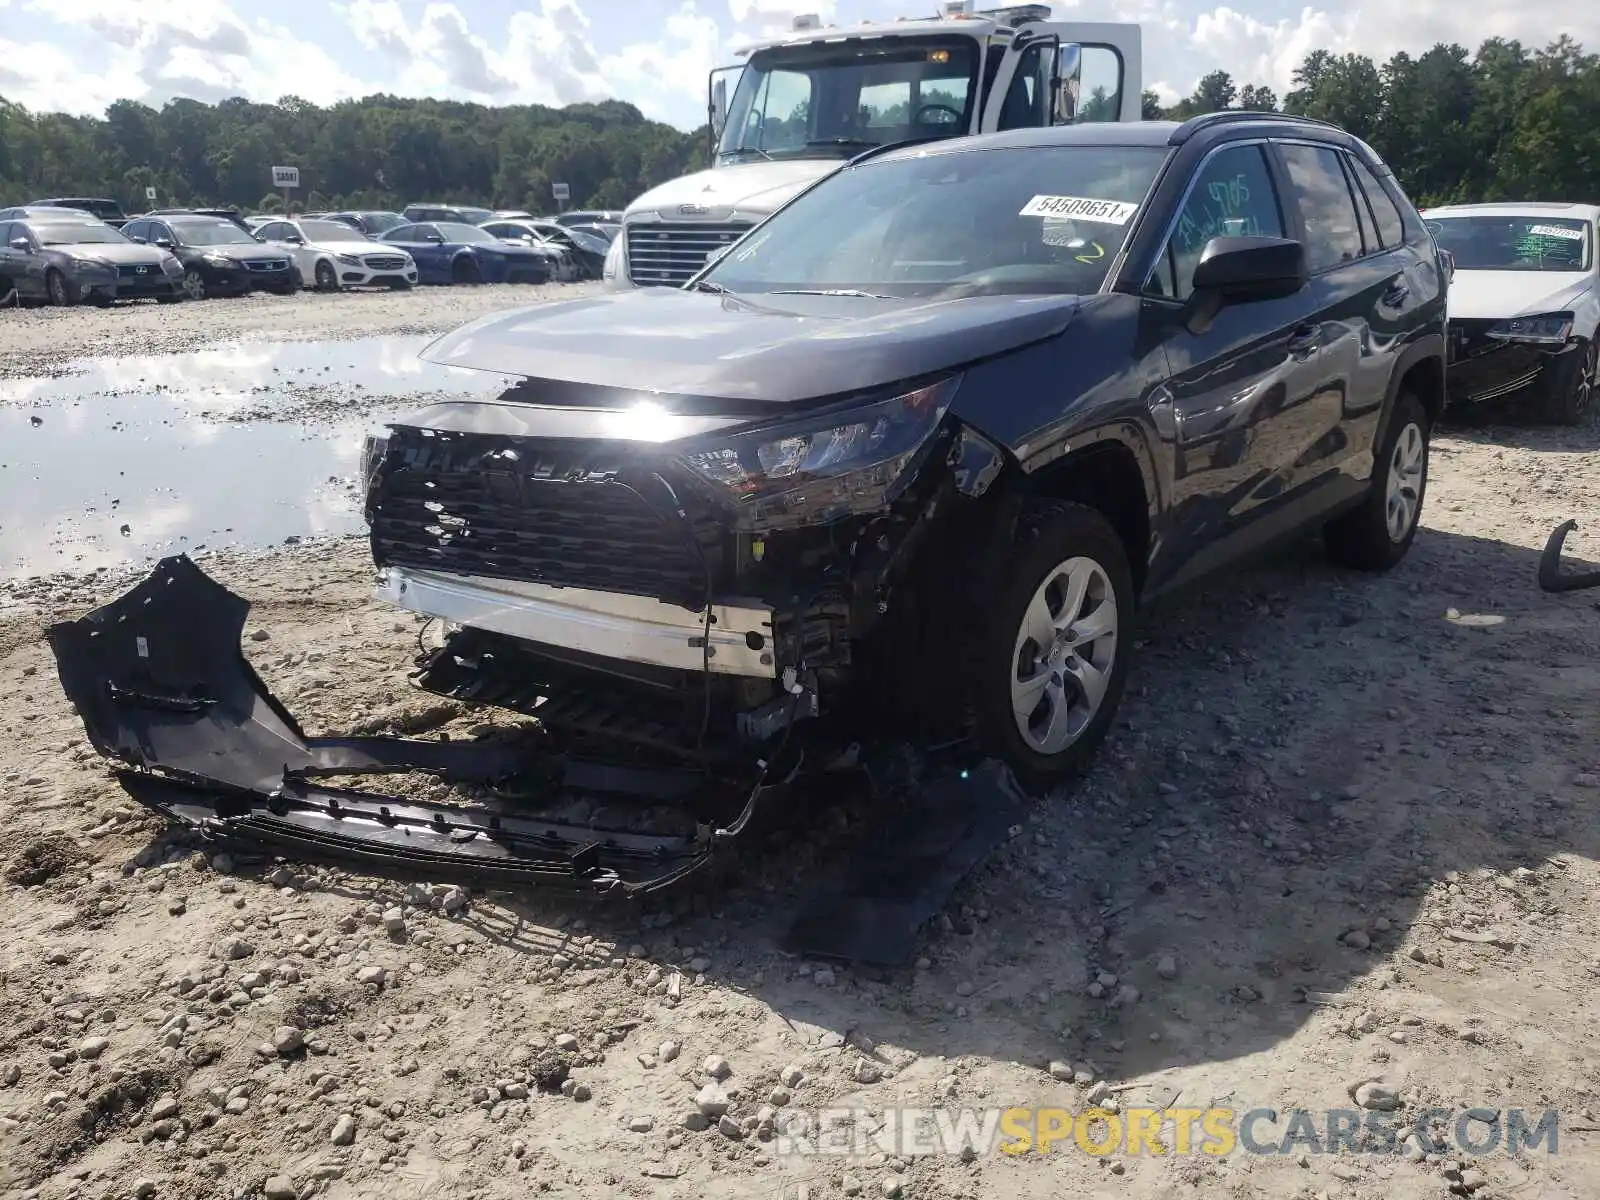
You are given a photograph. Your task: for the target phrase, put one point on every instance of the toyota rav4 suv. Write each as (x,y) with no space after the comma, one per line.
(908,457)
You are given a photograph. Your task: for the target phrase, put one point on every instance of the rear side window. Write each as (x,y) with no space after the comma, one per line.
(1333,232)
(1391,227)
(1233,195)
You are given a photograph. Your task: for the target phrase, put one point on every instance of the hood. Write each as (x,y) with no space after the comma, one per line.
(356,248)
(751,189)
(114,252)
(242,251)
(780,349)
(1495,295)
(502,246)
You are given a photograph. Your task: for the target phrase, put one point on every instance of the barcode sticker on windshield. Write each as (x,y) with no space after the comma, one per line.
(1560,231)
(1080,208)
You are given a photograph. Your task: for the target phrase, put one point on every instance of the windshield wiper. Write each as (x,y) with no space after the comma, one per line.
(855,292)
(705,285)
(748,150)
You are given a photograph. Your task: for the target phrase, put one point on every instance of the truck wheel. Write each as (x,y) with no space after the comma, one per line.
(1571,403)
(1376,535)
(1054,659)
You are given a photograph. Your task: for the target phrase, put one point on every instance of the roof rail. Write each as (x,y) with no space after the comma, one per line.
(1205,120)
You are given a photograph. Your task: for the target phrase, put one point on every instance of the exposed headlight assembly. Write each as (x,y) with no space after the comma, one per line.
(1546,329)
(829,465)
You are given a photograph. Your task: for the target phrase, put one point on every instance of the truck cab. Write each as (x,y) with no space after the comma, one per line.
(803,104)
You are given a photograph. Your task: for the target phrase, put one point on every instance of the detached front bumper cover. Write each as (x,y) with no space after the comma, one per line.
(162,685)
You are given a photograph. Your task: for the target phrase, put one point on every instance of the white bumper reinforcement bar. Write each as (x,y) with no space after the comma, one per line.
(633,628)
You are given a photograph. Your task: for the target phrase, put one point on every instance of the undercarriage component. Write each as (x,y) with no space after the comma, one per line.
(162,686)
(1551,578)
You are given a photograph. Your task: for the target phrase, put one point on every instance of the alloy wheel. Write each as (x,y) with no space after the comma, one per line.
(1404,493)
(1583,388)
(194,284)
(1064,652)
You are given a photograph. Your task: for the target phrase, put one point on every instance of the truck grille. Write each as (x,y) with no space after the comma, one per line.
(385,262)
(670,253)
(567,514)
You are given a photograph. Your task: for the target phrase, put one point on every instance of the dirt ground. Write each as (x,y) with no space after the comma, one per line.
(1345,832)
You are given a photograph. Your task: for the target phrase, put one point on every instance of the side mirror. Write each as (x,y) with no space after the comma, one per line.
(294,239)
(164,243)
(1241,269)
(20,243)
(1067,83)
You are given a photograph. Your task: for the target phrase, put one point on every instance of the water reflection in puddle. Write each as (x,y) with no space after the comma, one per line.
(110,465)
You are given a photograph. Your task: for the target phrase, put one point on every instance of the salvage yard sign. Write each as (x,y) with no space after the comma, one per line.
(285,177)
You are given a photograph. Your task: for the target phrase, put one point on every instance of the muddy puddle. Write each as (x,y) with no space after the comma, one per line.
(126,459)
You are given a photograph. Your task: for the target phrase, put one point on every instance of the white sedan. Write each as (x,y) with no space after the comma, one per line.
(331,255)
(1524,304)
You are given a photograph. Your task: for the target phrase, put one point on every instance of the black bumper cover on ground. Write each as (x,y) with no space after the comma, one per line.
(162,685)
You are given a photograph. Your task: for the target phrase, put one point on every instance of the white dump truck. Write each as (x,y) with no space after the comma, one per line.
(805,103)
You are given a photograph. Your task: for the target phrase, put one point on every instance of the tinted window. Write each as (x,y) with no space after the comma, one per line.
(5,235)
(1027,96)
(1333,235)
(401,233)
(159,230)
(1391,227)
(1232,196)
(1034,220)
(136,229)
(454,231)
(1369,236)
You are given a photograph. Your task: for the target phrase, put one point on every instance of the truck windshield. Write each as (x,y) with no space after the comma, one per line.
(840,99)
(1025,220)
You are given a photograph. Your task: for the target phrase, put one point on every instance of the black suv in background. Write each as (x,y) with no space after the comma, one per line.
(219,258)
(99,207)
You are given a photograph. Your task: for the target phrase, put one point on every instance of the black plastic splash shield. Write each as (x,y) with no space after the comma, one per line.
(162,685)
(906,869)
(1551,576)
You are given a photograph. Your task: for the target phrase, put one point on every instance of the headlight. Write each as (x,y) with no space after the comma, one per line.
(1549,329)
(839,462)
(220,260)
(349,260)
(90,264)
(616,265)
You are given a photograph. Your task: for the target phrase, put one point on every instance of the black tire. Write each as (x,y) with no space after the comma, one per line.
(1050,535)
(1573,401)
(194,284)
(1362,538)
(57,288)
(326,278)
(466,270)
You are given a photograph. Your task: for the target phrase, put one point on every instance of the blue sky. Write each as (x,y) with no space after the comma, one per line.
(79,55)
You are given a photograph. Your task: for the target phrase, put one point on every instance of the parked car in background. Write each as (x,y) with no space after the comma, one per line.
(1524,305)
(1032,380)
(448,212)
(219,257)
(76,258)
(331,255)
(372,222)
(564,262)
(513,214)
(256,222)
(27,212)
(588,248)
(104,209)
(452,252)
(588,216)
(231,215)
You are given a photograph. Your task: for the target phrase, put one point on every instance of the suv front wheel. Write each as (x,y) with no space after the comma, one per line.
(1054,657)
(1376,535)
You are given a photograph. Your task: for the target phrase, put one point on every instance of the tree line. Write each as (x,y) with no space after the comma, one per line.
(1505,122)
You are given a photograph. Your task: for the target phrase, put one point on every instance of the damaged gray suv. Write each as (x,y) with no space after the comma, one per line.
(903,462)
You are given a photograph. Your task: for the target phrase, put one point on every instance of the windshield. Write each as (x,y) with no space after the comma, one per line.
(330,231)
(1035,220)
(477,216)
(76,235)
(382,222)
(810,101)
(456,232)
(1515,243)
(211,233)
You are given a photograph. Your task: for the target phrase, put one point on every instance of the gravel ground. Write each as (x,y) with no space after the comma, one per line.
(42,341)
(1340,849)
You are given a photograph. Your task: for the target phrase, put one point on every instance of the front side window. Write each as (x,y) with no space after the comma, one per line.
(1524,242)
(987,222)
(456,232)
(1027,99)
(1333,232)
(1233,196)
(836,100)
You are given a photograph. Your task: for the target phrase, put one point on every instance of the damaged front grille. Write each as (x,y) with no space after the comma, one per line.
(566,514)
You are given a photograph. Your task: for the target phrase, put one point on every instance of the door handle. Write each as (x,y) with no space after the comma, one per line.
(1305,340)
(1396,295)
